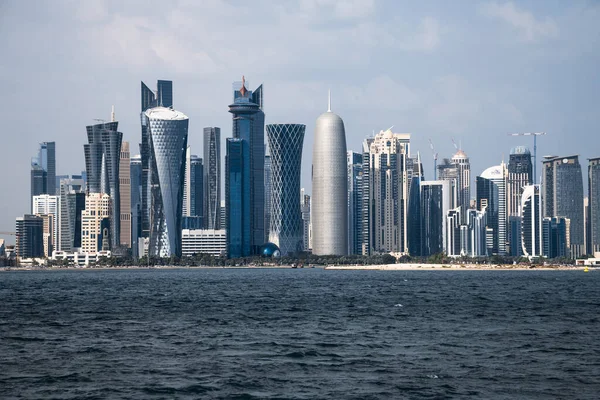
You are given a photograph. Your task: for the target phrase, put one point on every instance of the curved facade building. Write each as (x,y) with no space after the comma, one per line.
(168,133)
(285,145)
(330,183)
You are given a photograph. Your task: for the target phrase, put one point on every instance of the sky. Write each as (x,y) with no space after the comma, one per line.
(472,71)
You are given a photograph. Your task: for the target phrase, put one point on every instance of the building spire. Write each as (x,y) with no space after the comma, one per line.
(112,114)
(329,101)
(243,89)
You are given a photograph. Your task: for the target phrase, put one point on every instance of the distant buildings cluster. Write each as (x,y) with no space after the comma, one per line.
(167,201)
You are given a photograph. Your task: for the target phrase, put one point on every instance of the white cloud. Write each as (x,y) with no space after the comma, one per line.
(426,37)
(529,27)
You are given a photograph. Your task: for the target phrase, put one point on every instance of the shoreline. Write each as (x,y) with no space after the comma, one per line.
(383,267)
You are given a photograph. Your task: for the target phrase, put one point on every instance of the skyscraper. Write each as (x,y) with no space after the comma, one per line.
(563,196)
(555,237)
(306,221)
(355,186)
(531,223)
(520,174)
(163,97)
(135,169)
(212,177)
(72,202)
(96,213)
(268,187)
(167,134)
(102,161)
(237,204)
(285,144)
(249,127)
(593,218)
(125,195)
(491,195)
(330,186)
(29,236)
(366,231)
(43,170)
(193,187)
(388,191)
(436,201)
(46,204)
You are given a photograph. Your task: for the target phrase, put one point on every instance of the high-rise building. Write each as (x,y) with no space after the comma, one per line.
(46,204)
(306,222)
(168,134)
(491,195)
(72,202)
(163,97)
(555,237)
(436,201)
(476,234)
(389,192)
(531,223)
(193,187)
(593,215)
(223,214)
(520,174)
(563,196)
(365,229)
(330,186)
(125,190)
(268,186)
(29,236)
(285,144)
(514,225)
(212,177)
(237,204)
(47,233)
(93,217)
(355,185)
(43,170)
(102,161)
(453,233)
(458,170)
(135,168)
(249,127)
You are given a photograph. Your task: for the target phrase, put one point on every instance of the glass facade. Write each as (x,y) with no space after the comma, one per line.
(102,160)
(355,198)
(285,144)
(43,170)
(212,177)
(72,203)
(593,219)
(435,204)
(135,168)
(168,134)
(29,236)
(531,223)
(237,193)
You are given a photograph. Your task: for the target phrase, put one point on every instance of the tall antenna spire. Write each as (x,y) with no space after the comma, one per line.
(329,102)
(112,114)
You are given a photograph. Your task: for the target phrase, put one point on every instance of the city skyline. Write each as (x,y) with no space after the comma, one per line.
(458,99)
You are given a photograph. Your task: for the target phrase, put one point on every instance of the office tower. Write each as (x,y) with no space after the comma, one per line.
(491,194)
(516,247)
(249,127)
(193,187)
(531,222)
(125,190)
(47,233)
(593,215)
(46,204)
(436,201)
(555,237)
(330,186)
(563,196)
(93,217)
(268,186)
(72,202)
(135,168)
(43,170)
(223,216)
(453,233)
(355,185)
(29,236)
(458,170)
(586,226)
(204,241)
(168,134)
(237,204)
(285,145)
(414,217)
(388,192)
(163,97)
(520,174)
(212,177)
(366,231)
(306,222)
(102,161)
(475,233)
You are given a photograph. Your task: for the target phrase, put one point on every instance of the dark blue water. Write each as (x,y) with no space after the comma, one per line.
(302,334)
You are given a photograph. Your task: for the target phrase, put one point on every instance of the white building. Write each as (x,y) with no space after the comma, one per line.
(96,213)
(531,225)
(203,241)
(48,205)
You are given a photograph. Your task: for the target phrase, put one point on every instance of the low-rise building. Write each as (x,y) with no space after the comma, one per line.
(204,241)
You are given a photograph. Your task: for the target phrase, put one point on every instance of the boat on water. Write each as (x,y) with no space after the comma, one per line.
(586,269)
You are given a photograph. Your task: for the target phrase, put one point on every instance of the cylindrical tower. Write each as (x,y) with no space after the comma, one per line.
(168,131)
(286,227)
(330,182)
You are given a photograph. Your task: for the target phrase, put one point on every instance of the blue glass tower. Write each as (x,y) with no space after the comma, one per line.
(237,193)
(249,127)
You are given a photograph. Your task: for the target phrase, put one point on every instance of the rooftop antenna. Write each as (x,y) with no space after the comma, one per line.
(329,101)
(112,114)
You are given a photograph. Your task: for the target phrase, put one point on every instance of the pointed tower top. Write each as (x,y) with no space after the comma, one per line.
(329,102)
(112,114)
(243,89)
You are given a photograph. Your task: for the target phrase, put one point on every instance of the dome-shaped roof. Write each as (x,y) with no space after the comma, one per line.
(270,250)
(459,154)
(494,172)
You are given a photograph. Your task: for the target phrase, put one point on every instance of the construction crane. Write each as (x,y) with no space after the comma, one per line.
(435,157)
(535,135)
(7,233)
(454,143)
